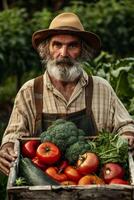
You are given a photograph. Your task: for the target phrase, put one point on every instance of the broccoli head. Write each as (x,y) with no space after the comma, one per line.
(63,134)
(75,150)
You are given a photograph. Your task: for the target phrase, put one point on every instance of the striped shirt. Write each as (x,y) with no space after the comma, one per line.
(109,113)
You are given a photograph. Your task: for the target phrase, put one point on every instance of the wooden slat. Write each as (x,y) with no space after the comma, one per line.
(14,169)
(75,193)
(131,167)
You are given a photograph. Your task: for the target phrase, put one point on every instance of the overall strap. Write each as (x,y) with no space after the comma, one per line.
(89,95)
(88,101)
(38,96)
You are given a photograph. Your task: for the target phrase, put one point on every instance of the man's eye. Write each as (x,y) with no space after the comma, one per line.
(57,45)
(74,45)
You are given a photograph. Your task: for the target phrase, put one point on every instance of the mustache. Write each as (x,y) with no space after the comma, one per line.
(64,61)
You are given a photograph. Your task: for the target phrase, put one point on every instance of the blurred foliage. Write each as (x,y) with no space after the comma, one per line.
(35,5)
(41,19)
(118,72)
(112,20)
(16,54)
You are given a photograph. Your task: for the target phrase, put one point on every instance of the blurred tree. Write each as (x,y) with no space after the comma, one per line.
(34,5)
(5,4)
(16,52)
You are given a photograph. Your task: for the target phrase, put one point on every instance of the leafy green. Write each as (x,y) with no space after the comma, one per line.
(111,147)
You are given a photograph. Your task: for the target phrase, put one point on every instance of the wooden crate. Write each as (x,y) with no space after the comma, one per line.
(47,192)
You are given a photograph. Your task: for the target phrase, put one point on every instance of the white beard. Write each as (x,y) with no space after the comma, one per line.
(64,73)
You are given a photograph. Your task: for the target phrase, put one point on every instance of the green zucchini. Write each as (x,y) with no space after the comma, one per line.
(33,175)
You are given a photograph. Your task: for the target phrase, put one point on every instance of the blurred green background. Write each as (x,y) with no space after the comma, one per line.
(112,20)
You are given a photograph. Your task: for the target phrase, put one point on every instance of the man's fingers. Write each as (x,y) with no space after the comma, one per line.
(131,144)
(5,166)
(130,139)
(11,152)
(7,156)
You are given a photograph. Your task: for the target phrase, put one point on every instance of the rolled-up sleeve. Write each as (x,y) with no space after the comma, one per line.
(21,122)
(109,112)
(122,121)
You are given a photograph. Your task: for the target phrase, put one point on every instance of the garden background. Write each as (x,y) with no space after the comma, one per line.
(112,20)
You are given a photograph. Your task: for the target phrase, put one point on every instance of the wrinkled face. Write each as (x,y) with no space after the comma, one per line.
(64,53)
(63,46)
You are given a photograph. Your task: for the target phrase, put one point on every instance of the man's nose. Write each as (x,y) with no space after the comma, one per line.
(64,51)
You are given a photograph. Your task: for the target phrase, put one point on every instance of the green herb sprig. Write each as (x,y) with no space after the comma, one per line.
(111,147)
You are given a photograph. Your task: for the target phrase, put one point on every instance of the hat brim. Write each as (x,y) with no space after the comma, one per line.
(90,38)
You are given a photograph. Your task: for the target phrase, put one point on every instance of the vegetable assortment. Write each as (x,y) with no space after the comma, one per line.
(65,157)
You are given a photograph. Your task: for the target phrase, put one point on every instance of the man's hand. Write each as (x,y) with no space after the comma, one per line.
(7,155)
(130,137)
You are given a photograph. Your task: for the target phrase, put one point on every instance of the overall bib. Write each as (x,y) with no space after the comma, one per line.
(83,119)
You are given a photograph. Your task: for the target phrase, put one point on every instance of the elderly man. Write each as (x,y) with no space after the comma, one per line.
(64,90)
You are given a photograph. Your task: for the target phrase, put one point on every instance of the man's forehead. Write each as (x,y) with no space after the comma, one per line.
(65,37)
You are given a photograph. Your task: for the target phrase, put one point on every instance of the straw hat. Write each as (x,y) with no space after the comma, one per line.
(67,23)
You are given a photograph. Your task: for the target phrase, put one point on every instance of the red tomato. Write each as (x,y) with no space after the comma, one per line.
(38,163)
(87,163)
(112,170)
(53,172)
(72,173)
(29,148)
(90,180)
(119,181)
(68,183)
(48,153)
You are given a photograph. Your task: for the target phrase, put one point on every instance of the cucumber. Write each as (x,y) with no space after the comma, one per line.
(33,175)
